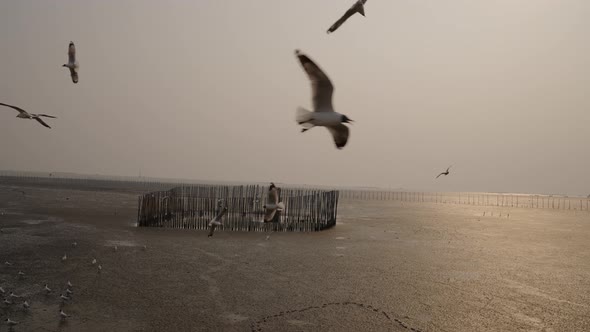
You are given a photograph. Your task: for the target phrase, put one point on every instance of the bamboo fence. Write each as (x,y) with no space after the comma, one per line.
(192,207)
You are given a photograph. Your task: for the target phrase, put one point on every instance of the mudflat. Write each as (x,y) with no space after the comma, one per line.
(386,266)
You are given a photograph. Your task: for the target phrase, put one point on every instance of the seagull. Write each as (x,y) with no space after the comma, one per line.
(94,261)
(63,315)
(8,302)
(445,173)
(47,289)
(358,7)
(216,221)
(272,203)
(26,305)
(7,263)
(26,115)
(2,290)
(72,63)
(14,295)
(64,258)
(10,322)
(323,113)
(69,292)
(64,297)
(21,274)
(69,284)
(99,268)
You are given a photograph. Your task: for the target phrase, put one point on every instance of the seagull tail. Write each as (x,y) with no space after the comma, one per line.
(302,116)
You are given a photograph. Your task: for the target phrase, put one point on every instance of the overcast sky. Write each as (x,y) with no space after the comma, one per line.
(208,90)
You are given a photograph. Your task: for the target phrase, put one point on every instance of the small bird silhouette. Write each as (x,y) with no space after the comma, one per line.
(63,315)
(10,322)
(2,291)
(26,305)
(94,261)
(445,173)
(64,258)
(7,263)
(21,274)
(99,268)
(47,289)
(8,302)
(69,292)
(64,297)
(69,284)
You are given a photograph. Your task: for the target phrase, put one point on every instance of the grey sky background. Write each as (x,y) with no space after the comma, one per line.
(208,89)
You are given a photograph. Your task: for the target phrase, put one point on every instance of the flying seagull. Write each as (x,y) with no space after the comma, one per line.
(216,221)
(64,258)
(26,305)
(273,203)
(69,284)
(26,115)
(358,7)
(47,289)
(94,261)
(323,113)
(72,63)
(2,291)
(445,173)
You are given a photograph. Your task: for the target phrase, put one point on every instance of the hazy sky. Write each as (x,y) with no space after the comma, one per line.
(208,90)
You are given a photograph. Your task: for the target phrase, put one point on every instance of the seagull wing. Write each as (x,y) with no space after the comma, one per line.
(440,174)
(74,75)
(219,216)
(41,122)
(321,86)
(47,116)
(340,134)
(20,110)
(72,53)
(269,215)
(357,7)
(273,196)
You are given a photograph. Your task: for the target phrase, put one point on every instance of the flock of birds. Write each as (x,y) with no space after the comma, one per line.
(65,297)
(323,114)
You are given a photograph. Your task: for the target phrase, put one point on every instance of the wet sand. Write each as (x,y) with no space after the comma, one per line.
(386,266)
